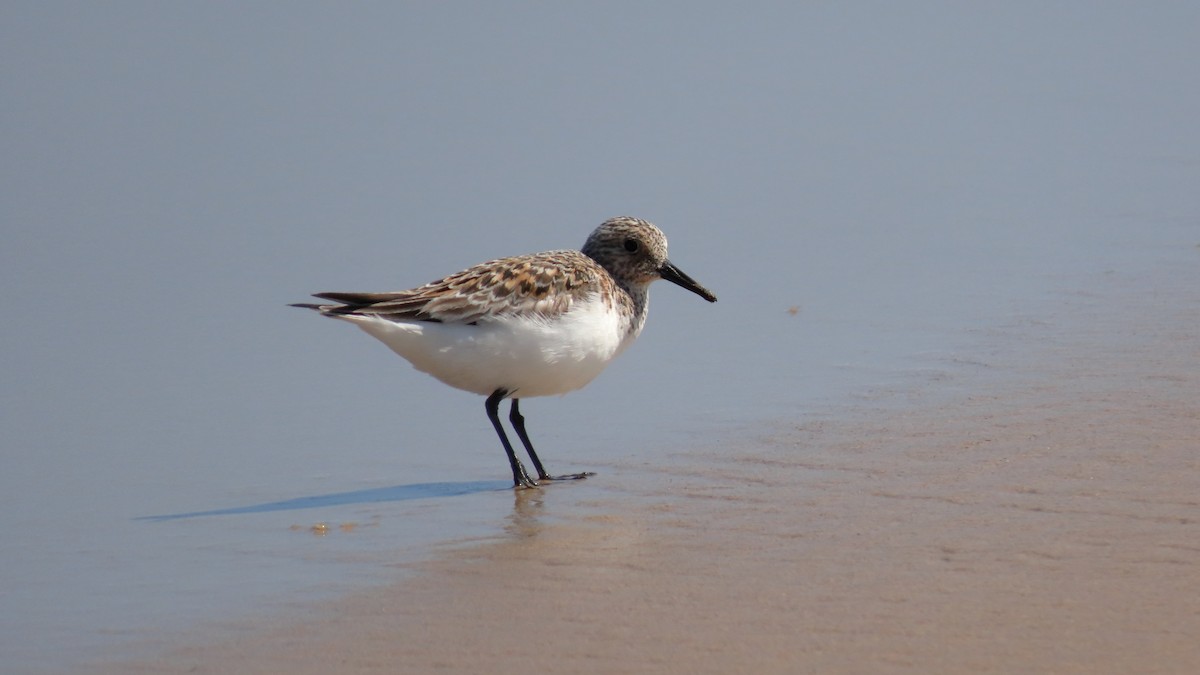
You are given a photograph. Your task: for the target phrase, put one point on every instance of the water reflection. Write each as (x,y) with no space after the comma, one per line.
(524,522)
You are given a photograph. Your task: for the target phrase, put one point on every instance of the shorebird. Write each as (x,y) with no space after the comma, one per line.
(531,325)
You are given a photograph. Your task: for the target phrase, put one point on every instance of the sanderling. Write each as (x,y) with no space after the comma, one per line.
(531,325)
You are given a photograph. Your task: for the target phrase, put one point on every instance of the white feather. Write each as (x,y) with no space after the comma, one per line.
(527,355)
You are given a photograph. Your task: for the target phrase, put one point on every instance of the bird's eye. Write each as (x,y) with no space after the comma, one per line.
(631,245)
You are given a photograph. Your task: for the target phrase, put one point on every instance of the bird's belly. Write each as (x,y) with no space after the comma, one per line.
(525,356)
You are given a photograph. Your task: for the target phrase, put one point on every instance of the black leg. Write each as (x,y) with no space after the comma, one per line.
(492,405)
(518,422)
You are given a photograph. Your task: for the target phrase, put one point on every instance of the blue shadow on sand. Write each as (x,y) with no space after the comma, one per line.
(398,493)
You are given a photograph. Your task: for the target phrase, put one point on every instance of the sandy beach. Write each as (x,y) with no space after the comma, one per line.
(1042,515)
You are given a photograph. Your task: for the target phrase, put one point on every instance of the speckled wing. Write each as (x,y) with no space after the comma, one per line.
(543,284)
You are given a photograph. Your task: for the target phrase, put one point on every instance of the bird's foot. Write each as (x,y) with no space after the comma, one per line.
(570,476)
(525,483)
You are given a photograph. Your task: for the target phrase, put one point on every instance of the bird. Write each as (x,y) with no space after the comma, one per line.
(532,325)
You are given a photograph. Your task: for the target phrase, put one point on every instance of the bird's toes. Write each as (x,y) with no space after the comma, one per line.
(569,476)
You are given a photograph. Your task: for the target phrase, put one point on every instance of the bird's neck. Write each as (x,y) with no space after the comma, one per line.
(640,295)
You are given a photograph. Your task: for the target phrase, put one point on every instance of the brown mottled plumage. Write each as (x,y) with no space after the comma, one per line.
(546,284)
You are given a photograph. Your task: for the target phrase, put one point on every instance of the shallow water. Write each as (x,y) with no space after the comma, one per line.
(888,217)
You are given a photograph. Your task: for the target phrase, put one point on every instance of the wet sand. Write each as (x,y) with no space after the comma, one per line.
(1040,515)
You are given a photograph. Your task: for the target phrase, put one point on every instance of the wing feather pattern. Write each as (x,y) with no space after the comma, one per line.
(542,284)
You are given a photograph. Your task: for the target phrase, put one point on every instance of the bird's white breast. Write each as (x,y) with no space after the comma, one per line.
(526,355)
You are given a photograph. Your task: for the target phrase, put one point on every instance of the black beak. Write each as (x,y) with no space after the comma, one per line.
(676,276)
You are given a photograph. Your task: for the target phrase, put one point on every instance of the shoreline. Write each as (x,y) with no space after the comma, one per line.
(1044,521)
